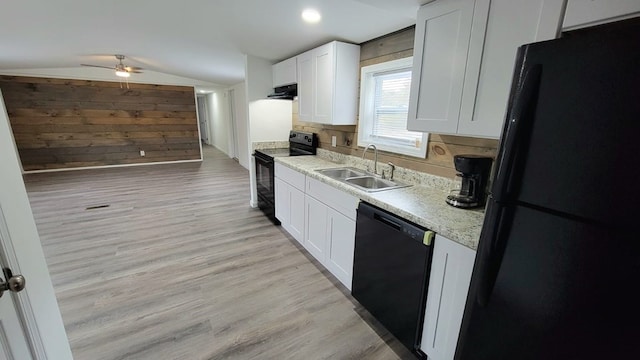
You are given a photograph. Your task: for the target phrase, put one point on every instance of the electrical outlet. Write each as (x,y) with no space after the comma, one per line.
(334,141)
(142,153)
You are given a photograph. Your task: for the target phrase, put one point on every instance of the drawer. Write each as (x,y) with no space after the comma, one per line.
(332,197)
(290,176)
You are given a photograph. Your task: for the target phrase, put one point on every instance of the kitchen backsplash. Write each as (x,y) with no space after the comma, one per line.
(440,149)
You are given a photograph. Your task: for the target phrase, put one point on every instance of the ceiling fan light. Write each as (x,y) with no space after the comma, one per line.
(122,73)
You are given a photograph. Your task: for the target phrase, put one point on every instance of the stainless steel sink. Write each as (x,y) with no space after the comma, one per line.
(361,179)
(370,183)
(341,173)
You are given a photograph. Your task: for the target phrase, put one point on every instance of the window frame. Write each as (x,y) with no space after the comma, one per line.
(367,98)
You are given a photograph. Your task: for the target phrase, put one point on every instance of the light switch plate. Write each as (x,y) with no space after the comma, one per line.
(334,141)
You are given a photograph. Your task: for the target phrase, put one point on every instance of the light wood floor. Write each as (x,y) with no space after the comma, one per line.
(178,266)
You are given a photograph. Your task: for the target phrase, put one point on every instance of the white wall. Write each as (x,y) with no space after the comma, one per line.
(259,78)
(269,120)
(242,124)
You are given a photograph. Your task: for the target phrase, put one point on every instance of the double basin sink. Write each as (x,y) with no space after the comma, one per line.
(361,179)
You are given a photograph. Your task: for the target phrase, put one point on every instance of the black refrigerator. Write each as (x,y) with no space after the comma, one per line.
(557,274)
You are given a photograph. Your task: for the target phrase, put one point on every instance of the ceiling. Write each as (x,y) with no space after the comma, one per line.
(199,39)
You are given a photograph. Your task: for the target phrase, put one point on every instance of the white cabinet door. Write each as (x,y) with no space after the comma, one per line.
(447,54)
(296,216)
(285,72)
(328,84)
(341,243)
(305,86)
(290,208)
(315,240)
(449,281)
(512,23)
(282,201)
(324,78)
(583,13)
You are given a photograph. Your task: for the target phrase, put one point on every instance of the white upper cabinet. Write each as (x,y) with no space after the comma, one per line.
(447,52)
(328,84)
(285,72)
(464,56)
(583,13)
(305,85)
(512,23)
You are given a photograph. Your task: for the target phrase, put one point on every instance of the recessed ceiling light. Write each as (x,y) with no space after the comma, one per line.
(311,16)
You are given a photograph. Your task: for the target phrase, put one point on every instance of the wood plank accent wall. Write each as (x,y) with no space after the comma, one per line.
(63,123)
(441,148)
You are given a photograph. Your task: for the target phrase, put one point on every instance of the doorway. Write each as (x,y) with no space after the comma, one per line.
(233,143)
(203,119)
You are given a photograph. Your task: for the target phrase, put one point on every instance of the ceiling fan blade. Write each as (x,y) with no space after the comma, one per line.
(136,72)
(98,66)
(132,68)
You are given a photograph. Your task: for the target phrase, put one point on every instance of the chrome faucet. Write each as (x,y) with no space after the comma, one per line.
(375,156)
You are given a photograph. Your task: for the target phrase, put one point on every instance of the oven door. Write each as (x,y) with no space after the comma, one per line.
(264,180)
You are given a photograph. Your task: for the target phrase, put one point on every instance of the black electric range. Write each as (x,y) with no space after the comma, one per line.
(300,143)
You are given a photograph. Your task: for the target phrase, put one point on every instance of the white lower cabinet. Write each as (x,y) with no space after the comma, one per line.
(289,198)
(449,281)
(321,217)
(316,228)
(341,242)
(331,228)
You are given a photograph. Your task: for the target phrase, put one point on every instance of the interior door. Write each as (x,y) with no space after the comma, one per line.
(233,134)
(203,119)
(13,341)
(36,306)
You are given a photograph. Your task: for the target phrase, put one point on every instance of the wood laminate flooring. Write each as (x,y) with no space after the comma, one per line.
(171,262)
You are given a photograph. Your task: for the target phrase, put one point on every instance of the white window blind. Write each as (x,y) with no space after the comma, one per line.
(384,105)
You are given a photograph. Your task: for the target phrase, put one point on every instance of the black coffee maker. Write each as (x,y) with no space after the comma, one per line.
(474,171)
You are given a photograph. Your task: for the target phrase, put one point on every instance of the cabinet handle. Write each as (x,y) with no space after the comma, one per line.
(387,221)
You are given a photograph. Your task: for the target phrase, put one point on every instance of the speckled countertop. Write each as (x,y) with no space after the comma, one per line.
(423,205)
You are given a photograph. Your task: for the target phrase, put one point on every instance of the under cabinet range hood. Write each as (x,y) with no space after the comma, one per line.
(287,92)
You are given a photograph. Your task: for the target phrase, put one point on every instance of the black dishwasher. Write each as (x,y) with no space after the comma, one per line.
(391,264)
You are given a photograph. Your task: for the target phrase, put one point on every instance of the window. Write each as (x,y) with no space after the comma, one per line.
(384,105)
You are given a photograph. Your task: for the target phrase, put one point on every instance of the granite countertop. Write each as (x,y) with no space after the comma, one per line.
(420,204)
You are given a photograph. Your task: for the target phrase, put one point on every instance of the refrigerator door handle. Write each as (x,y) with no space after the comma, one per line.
(519,121)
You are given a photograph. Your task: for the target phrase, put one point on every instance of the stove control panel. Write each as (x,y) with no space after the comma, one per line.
(305,138)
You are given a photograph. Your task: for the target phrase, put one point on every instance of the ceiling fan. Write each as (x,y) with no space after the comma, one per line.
(120,68)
